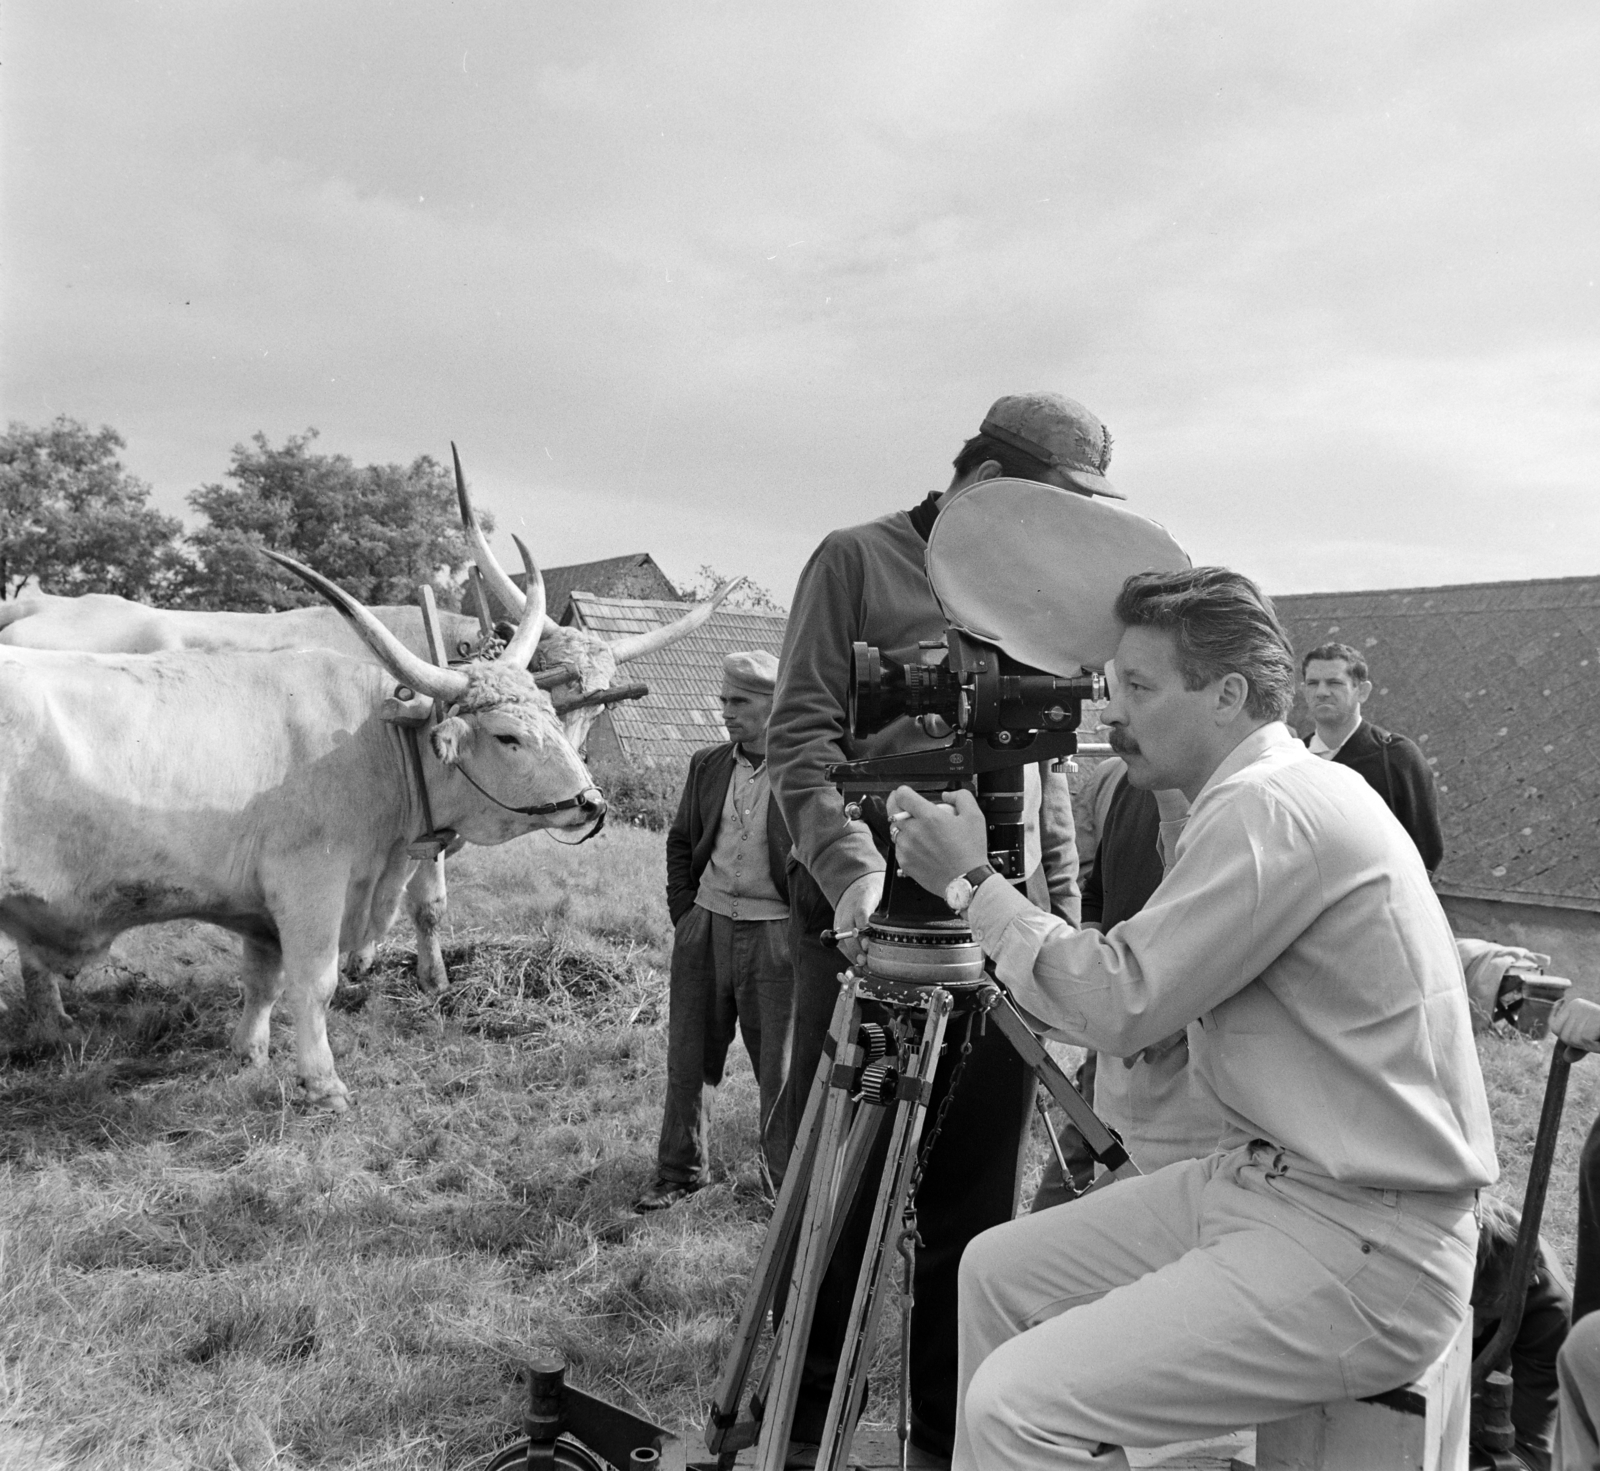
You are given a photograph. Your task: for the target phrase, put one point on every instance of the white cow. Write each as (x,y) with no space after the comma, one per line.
(577,667)
(264,792)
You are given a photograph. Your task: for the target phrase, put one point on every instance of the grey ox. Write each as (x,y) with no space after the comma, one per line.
(263,792)
(574,665)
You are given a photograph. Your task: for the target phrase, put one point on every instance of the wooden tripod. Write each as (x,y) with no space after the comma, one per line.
(874,1075)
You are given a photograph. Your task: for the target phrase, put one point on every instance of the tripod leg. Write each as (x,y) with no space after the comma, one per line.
(815,1235)
(1103,1144)
(894,1190)
(1055,1139)
(870,1121)
(723,1411)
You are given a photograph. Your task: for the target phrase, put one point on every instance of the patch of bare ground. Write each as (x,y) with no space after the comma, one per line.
(196,1273)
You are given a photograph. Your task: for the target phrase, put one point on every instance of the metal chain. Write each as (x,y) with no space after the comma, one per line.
(910,1240)
(938,1118)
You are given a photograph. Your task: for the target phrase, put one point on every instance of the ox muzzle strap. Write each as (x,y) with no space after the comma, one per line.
(588,797)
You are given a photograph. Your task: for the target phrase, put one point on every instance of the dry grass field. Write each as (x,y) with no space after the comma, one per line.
(193,1273)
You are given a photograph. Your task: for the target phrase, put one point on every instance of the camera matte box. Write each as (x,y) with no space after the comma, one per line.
(1036,570)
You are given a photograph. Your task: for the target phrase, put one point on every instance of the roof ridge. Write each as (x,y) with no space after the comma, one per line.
(1352,592)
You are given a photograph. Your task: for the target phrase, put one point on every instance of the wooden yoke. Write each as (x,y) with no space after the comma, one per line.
(412,711)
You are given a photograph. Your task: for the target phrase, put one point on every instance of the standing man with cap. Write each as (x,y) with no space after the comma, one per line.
(868,584)
(1336,687)
(728,896)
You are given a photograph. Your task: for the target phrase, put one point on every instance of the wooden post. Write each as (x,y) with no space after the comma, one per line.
(435,637)
(480,600)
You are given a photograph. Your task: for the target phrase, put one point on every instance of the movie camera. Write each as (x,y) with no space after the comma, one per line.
(993,717)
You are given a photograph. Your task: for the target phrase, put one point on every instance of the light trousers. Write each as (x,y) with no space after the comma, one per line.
(1578,1367)
(1213,1294)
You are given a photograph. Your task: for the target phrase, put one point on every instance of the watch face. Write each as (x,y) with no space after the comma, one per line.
(958,893)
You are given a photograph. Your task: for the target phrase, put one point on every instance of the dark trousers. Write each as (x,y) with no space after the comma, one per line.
(970,1183)
(1534,1378)
(725,973)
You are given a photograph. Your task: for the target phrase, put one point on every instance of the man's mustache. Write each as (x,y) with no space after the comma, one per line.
(1123,743)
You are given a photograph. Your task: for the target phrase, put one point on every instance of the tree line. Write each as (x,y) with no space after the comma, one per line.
(74,520)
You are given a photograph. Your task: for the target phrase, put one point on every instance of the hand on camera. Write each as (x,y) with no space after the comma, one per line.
(853,910)
(935,842)
(1577,1023)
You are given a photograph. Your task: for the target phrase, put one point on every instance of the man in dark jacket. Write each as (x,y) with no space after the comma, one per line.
(1336,686)
(728,896)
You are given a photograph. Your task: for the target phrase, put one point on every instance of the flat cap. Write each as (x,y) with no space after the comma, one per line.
(1058,431)
(755,672)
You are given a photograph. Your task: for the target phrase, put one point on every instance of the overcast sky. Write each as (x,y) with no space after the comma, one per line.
(707,280)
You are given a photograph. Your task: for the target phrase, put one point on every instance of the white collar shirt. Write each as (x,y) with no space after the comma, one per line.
(1297,924)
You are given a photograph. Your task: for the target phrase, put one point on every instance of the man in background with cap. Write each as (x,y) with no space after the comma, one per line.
(728,896)
(868,584)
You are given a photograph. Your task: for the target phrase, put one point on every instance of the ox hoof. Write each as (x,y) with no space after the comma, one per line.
(53,1031)
(327,1098)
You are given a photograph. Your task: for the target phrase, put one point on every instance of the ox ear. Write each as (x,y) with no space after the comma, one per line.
(452,738)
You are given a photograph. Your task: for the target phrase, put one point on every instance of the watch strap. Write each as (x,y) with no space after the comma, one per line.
(976,876)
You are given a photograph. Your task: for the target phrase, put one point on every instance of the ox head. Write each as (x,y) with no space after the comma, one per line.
(576,666)
(502,735)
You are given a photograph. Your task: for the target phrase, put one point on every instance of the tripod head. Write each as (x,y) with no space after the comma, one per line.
(998,716)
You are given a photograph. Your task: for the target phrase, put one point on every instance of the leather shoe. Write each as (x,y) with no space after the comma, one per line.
(662,1194)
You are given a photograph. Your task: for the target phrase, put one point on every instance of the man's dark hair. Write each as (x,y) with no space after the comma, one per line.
(1014,463)
(1222,624)
(1356,664)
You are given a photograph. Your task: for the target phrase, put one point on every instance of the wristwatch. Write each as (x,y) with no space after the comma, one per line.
(959,891)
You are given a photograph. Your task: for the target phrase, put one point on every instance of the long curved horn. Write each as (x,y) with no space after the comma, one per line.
(632,645)
(408,668)
(525,641)
(494,575)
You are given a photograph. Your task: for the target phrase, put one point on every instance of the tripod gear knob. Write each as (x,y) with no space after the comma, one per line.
(873,1038)
(880,1081)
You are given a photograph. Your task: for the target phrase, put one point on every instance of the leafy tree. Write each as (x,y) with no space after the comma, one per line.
(747,595)
(377,530)
(73,518)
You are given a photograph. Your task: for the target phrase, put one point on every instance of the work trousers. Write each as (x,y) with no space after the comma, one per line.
(1213,1294)
(970,1182)
(1586,1279)
(725,972)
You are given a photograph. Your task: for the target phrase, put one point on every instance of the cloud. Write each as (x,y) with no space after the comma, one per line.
(725,277)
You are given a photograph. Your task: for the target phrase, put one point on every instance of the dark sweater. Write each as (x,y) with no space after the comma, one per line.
(1127,864)
(1397,771)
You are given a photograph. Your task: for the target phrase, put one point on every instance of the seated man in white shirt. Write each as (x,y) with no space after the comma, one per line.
(1326,1249)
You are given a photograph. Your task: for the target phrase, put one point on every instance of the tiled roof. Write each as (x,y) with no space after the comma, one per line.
(1499,683)
(633,576)
(681,713)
